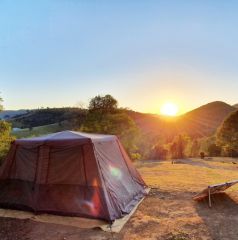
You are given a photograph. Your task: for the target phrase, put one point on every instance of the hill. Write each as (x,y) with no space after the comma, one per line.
(41,117)
(200,122)
(7,114)
(204,120)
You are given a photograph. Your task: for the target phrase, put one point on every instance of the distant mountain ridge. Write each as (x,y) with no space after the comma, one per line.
(46,116)
(200,122)
(206,118)
(7,114)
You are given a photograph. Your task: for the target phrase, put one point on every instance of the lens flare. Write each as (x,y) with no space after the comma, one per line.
(89,206)
(115,172)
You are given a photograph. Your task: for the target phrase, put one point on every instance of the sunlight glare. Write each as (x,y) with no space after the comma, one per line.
(169,109)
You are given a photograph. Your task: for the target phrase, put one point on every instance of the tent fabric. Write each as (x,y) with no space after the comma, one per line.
(71,173)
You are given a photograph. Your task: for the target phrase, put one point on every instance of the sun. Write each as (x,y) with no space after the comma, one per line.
(169,109)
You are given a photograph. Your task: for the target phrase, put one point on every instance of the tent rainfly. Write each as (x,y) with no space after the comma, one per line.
(70,173)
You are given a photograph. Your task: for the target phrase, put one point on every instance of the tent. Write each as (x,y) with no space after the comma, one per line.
(70,173)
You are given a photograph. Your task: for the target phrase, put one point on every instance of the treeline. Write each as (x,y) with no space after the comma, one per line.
(5,136)
(104,116)
(224,143)
(183,146)
(46,116)
(101,116)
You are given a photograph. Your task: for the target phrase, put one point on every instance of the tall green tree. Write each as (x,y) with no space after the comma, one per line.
(1,106)
(103,104)
(5,139)
(227,135)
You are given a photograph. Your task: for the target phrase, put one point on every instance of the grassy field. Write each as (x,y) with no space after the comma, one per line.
(189,174)
(37,131)
(168,212)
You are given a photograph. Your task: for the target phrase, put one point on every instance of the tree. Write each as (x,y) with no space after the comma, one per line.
(103,104)
(1,107)
(177,147)
(159,151)
(192,147)
(227,135)
(194,151)
(214,150)
(119,124)
(202,155)
(104,117)
(5,137)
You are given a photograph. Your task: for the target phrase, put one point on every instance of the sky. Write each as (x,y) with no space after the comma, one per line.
(59,53)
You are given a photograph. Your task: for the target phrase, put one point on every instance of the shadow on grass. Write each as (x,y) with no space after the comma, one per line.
(203,163)
(191,162)
(222,218)
(149,163)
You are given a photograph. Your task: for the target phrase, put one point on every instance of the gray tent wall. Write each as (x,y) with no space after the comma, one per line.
(122,183)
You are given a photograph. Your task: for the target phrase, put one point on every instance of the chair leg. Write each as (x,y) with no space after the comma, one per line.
(209,197)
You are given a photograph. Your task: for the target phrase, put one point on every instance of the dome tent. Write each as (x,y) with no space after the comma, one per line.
(70,173)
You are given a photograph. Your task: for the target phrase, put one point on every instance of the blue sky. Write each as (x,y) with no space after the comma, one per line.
(144,53)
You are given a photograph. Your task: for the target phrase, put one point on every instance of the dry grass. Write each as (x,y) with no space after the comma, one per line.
(168,212)
(170,203)
(188,174)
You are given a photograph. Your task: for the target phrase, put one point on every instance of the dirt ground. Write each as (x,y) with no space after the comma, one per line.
(168,212)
